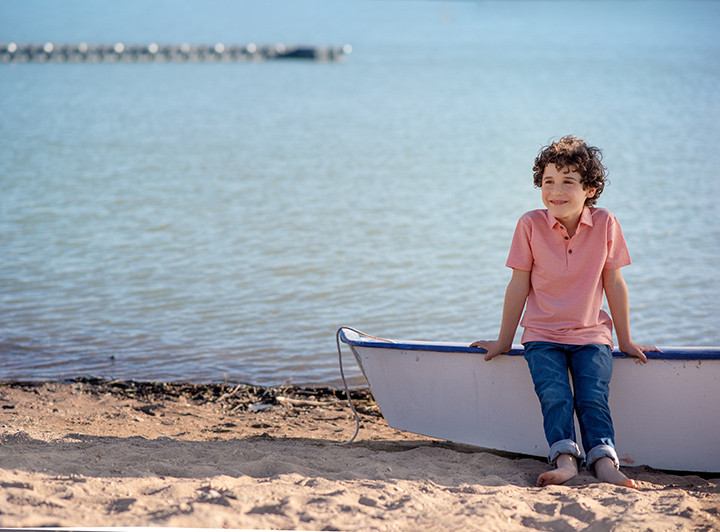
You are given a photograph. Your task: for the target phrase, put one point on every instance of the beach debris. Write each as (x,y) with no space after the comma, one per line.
(259,407)
(18,485)
(72,477)
(305,402)
(367,501)
(223,428)
(149,409)
(276,509)
(211,495)
(120,505)
(232,398)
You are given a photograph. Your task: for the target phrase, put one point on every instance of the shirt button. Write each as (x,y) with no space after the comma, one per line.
(567,238)
(569,250)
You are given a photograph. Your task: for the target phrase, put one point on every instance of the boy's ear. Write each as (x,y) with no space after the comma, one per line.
(590,192)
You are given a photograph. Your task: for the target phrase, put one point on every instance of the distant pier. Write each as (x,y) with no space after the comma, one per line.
(162,53)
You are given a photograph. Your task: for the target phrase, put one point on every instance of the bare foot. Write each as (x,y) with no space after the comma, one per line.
(606,472)
(566,469)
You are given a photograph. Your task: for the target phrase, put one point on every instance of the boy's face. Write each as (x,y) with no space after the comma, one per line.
(563,194)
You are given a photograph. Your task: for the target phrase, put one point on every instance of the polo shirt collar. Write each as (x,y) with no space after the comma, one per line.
(585,218)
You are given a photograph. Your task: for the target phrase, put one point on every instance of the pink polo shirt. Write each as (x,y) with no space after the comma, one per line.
(566,289)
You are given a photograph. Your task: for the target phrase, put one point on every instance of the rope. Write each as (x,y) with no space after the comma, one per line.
(342,374)
(347,390)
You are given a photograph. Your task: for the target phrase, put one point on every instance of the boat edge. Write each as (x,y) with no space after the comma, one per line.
(366,340)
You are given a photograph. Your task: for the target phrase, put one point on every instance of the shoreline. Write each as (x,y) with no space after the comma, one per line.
(95,452)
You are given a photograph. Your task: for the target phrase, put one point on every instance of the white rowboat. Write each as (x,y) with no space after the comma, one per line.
(666,413)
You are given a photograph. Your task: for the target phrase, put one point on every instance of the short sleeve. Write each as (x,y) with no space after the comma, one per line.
(617,251)
(520,256)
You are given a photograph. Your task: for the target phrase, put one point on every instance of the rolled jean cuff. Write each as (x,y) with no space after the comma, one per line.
(601,451)
(563,447)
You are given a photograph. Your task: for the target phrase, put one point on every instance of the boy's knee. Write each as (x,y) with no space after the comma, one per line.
(554,393)
(591,403)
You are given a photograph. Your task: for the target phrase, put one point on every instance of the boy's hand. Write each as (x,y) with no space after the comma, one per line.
(637,350)
(492,348)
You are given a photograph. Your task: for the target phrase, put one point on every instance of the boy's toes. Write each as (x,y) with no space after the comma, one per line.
(556,476)
(606,472)
(631,484)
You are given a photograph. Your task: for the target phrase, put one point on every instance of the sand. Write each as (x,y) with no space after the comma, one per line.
(99,454)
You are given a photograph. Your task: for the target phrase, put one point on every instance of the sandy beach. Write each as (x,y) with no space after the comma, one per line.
(98,453)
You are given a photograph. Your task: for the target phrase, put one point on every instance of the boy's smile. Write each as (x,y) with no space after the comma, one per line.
(564,195)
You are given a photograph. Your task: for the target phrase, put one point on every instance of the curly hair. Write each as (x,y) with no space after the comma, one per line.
(572,153)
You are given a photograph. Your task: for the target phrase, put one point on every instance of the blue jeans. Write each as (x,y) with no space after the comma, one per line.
(591,369)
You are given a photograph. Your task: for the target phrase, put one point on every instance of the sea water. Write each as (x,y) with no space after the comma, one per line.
(214,222)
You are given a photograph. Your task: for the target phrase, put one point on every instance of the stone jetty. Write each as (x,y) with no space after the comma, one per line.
(163,53)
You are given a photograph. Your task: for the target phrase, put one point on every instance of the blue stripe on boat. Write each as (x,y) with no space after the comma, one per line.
(668,353)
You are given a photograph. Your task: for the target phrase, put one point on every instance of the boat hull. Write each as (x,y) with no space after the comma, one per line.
(665,412)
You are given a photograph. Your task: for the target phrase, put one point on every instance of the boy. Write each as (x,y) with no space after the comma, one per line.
(563,258)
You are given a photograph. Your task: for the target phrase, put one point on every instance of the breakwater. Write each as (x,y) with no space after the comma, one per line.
(153,52)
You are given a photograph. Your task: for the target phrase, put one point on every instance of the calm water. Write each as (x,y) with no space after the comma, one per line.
(221,221)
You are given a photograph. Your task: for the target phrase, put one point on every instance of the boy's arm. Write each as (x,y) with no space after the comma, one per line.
(515,295)
(618,300)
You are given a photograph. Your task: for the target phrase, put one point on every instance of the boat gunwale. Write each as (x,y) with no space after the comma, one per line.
(666,353)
